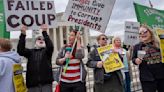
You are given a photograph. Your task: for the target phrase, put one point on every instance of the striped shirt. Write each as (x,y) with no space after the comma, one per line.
(72,73)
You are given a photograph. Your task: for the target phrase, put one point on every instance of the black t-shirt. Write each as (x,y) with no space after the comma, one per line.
(151,67)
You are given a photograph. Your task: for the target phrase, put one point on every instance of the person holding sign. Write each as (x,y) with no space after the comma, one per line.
(7,60)
(104,82)
(39,76)
(147,55)
(117,47)
(73,73)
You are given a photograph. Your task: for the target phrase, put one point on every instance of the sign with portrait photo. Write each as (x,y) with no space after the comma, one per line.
(111,61)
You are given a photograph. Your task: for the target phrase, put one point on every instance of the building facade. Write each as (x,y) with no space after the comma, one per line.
(58,35)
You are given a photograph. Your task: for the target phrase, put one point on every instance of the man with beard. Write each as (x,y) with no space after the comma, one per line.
(39,76)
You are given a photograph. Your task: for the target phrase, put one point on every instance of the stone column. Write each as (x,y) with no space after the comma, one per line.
(55,41)
(52,34)
(86,36)
(67,32)
(61,36)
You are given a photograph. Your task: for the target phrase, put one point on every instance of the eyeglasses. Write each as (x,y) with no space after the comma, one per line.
(143,32)
(104,38)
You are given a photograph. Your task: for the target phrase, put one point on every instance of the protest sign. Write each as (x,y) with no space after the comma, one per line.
(111,61)
(3,33)
(149,16)
(160,34)
(94,14)
(131,36)
(31,13)
(18,78)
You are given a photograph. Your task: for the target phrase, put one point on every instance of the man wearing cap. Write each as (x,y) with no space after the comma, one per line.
(39,76)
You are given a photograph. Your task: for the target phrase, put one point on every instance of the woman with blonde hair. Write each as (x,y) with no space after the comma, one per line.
(116,41)
(147,55)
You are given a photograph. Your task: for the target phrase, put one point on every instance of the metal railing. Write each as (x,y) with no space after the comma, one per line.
(135,82)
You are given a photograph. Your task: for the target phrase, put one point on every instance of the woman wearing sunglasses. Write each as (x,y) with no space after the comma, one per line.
(147,55)
(104,82)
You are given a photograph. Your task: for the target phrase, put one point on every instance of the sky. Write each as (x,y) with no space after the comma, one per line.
(123,11)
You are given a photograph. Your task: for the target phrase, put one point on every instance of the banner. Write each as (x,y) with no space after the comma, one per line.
(31,13)
(3,33)
(150,16)
(18,78)
(111,61)
(160,34)
(94,14)
(131,36)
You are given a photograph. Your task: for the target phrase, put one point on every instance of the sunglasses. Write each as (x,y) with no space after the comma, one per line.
(40,39)
(143,32)
(104,38)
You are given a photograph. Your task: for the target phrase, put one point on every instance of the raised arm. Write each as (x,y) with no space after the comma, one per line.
(79,50)
(21,49)
(48,42)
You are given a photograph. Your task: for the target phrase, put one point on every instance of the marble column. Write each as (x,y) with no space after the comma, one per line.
(61,36)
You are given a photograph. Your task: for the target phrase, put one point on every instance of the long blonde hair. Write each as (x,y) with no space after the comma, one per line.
(154,37)
(114,38)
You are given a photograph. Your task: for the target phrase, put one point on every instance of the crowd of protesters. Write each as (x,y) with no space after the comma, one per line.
(39,76)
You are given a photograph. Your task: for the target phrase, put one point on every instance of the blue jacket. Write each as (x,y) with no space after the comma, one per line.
(7,59)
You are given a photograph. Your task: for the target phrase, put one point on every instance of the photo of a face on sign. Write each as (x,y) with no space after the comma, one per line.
(141,54)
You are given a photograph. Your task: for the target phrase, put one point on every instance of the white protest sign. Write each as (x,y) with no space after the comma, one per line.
(94,14)
(131,33)
(31,13)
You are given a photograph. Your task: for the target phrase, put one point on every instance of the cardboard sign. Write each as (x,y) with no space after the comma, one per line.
(31,13)
(131,33)
(94,14)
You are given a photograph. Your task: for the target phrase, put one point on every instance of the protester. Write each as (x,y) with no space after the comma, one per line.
(73,79)
(94,45)
(7,60)
(89,47)
(104,82)
(147,55)
(39,76)
(117,47)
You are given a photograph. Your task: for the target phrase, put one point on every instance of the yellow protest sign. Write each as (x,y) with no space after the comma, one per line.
(18,78)
(160,34)
(111,61)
